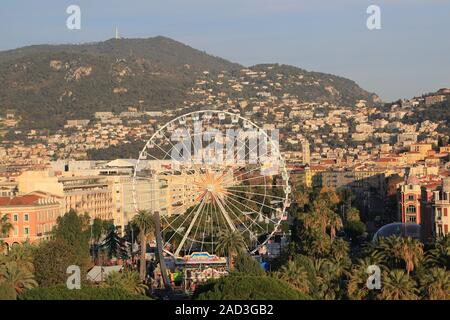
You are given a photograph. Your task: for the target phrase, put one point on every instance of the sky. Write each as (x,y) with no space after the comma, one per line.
(408,56)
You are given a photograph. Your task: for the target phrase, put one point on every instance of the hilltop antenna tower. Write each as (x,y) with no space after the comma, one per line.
(117,34)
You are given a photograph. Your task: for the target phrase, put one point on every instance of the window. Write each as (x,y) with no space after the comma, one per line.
(411,219)
(26,231)
(26,217)
(439,214)
(445,212)
(439,231)
(411,209)
(15,231)
(411,197)
(16,218)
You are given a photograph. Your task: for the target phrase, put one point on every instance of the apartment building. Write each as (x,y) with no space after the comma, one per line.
(33,216)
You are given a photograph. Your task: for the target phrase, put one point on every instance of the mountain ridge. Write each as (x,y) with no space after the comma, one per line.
(49,84)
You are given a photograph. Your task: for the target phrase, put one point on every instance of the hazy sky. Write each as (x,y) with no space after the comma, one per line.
(410,55)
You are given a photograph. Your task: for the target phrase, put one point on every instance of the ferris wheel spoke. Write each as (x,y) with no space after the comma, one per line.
(257,202)
(184,221)
(224,213)
(257,194)
(164,151)
(247,172)
(204,229)
(193,239)
(185,236)
(175,230)
(243,224)
(257,185)
(253,220)
(259,213)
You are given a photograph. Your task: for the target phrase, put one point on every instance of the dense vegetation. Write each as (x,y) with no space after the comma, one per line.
(322,265)
(320,262)
(38,271)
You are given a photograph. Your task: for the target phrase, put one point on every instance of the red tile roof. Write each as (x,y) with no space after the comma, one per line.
(19,201)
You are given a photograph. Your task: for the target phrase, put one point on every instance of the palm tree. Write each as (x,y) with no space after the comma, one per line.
(353,214)
(22,255)
(127,280)
(327,278)
(146,225)
(296,275)
(435,284)
(334,223)
(357,282)
(439,256)
(230,244)
(5,225)
(301,196)
(398,285)
(390,249)
(357,278)
(340,249)
(411,253)
(19,279)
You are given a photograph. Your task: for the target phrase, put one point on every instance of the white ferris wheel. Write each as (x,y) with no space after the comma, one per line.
(208,173)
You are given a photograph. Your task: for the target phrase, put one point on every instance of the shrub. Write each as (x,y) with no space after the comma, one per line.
(85,293)
(239,287)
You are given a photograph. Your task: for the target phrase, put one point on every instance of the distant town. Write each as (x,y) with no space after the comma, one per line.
(383,159)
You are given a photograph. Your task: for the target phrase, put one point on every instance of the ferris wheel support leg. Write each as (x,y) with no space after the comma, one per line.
(162,261)
(177,252)
(225,214)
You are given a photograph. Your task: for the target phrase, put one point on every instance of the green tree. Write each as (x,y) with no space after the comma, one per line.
(5,225)
(401,252)
(398,285)
(296,275)
(246,264)
(127,280)
(230,244)
(114,245)
(439,255)
(22,255)
(51,260)
(357,278)
(16,278)
(353,215)
(354,229)
(411,253)
(334,224)
(146,225)
(74,229)
(435,284)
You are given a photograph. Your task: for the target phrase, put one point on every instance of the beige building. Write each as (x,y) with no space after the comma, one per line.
(88,194)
